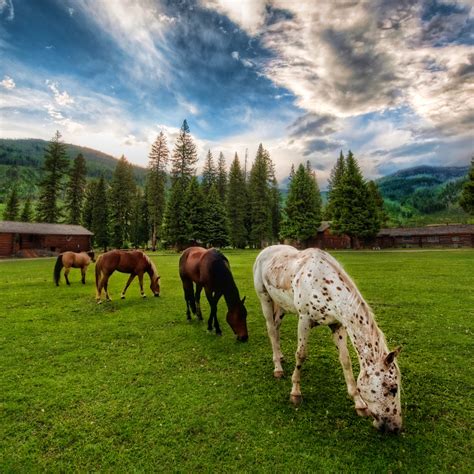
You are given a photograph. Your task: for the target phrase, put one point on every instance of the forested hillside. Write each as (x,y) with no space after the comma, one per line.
(424,195)
(21,161)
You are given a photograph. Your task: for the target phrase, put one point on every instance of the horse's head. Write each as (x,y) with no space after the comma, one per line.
(91,255)
(155,284)
(379,388)
(237,319)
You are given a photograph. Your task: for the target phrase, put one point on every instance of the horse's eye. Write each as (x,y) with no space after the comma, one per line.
(394,390)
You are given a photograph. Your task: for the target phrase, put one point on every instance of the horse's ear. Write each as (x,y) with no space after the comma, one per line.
(243,299)
(391,356)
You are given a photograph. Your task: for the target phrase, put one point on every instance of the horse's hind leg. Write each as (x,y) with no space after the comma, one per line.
(213,300)
(66,273)
(339,335)
(83,273)
(130,279)
(105,284)
(198,301)
(304,328)
(273,318)
(189,297)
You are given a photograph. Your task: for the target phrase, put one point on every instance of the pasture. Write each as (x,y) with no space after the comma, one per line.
(131,386)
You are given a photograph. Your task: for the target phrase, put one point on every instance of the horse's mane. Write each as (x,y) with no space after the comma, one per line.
(150,262)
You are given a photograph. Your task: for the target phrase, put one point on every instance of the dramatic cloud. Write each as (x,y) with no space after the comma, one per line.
(6,9)
(8,83)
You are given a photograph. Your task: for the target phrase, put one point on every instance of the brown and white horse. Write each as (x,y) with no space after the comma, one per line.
(134,262)
(313,285)
(70,260)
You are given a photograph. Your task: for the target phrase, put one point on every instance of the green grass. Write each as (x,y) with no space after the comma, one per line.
(131,386)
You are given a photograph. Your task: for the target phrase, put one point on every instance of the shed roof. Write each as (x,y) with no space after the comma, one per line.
(12,227)
(446,229)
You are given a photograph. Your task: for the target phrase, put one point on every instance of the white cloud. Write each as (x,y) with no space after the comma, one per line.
(8,83)
(61,98)
(235,55)
(6,8)
(71,11)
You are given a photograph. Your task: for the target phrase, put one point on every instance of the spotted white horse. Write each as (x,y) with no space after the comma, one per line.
(313,285)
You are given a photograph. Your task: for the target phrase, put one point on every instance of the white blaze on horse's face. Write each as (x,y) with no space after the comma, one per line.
(379,387)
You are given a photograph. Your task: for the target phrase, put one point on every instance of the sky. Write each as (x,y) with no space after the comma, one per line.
(393,81)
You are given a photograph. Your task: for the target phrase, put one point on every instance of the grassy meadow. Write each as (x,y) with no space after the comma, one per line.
(131,386)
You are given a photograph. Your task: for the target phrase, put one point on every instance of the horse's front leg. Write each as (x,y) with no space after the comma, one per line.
(213,299)
(198,301)
(130,279)
(66,273)
(273,322)
(339,335)
(304,327)
(83,273)
(140,280)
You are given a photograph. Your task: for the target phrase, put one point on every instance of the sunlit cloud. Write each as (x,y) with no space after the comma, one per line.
(8,83)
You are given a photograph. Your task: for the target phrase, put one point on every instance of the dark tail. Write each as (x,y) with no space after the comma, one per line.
(189,297)
(57,269)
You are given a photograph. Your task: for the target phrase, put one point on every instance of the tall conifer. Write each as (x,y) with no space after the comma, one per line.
(12,208)
(196,224)
(467,194)
(76,190)
(27,211)
(221,182)
(237,205)
(209,173)
(217,226)
(51,185)
(100,215)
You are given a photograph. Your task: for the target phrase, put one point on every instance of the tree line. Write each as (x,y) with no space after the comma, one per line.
(226,207)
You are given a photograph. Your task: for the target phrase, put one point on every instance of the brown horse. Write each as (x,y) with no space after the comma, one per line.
(70,260)
(210,270)
(134,262)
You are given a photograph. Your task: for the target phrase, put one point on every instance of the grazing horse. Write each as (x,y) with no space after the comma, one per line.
(134,262)
(210,270)
(313,285)
(70,260)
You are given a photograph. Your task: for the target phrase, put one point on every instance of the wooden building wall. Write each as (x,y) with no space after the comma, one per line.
(6,245)
(426,241)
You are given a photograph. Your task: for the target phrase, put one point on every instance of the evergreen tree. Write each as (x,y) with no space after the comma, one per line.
(183,168)
(467,195)
(51,185)
(260,200)
(196,224)
(100,216)
(122,192)
(12,208)
(302,215)
(378,204)
(221,183)
(27,211)
(156,186)
(139,222)
(88,207)
(357,211)
(237,205)
(275,202)
(334,204)
(217,226)
(209,173)
(76,190)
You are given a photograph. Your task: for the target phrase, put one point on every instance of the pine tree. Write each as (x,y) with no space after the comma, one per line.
(221,183)
(209,173)
(260,200)
(217,226)
(303,207)
(100,216)
(12,208)
(51,185)
(139,221)
(237,205)
(156,186)
(467,196)
(334,204)
(183,168)
(76,190)
(196,225)
(356,217)
(27,211)
(380,214)
(88,207)
(122,192)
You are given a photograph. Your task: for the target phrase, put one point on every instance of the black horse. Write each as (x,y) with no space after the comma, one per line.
(210,270)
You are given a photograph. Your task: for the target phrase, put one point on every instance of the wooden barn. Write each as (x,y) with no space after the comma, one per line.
(447,235)
(325,239)
(32,239)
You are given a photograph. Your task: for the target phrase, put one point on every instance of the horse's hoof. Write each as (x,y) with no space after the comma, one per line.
(362,412)
(122,297)
(99,302)
(143,296)
(296,400)
(278,374)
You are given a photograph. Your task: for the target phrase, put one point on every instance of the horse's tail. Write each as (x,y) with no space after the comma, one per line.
(57,269)
(98,270)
